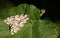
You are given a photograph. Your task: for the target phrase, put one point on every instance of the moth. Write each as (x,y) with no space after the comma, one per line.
(16,22)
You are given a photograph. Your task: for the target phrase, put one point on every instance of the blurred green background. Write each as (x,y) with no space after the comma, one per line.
(6,4)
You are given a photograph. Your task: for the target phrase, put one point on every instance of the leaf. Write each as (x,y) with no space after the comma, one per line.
(4,14)
(48,29)
(34,28)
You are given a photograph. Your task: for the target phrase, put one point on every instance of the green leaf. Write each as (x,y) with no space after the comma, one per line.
(48,29)
(34,28)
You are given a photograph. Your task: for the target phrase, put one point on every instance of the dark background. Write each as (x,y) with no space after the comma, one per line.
(51,7)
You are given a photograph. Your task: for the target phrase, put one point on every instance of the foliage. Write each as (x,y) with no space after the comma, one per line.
(34,28)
